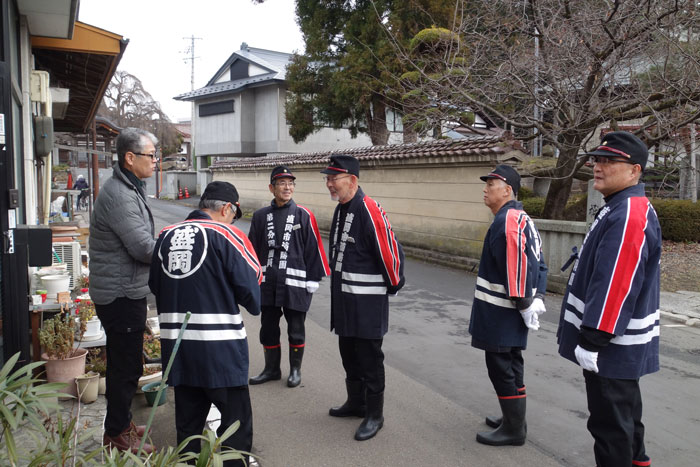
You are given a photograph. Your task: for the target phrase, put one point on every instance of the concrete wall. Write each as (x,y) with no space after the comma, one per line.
(558,238)
(438,208)
(218,134)
(436,212)
(174,180)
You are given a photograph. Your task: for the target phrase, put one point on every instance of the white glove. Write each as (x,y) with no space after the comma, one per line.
(587,359)
(311,286)
(538,306)
(530,318)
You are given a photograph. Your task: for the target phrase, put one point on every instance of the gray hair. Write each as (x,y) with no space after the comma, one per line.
(212,204)
(133,140)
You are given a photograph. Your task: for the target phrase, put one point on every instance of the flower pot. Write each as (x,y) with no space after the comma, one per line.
(55,283)
(102,386)
(150,391)
(157,376)
(66,370)
(94,327)
(88,386)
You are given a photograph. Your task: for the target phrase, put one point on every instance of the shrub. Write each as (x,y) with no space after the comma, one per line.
(679,219)
(533,206)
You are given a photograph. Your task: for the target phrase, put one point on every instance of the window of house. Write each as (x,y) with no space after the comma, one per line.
(216,108)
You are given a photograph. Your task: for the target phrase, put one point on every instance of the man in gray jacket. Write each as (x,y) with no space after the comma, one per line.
(122,238)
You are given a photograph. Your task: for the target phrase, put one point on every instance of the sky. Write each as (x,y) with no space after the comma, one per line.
(159,33)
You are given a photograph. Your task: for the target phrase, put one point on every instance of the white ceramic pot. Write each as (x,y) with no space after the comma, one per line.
(55,283)
(93,327)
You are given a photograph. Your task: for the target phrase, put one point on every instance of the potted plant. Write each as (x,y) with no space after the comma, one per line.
(97,363)
(88,387)
(85,311)
(151,348)
(63,362)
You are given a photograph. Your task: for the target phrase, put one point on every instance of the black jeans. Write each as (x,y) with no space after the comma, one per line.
(615,421)
(506,372)
(363,360)
(192,405)
(270,326)
(124,321)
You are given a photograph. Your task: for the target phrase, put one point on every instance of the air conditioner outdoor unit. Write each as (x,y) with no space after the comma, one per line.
(69,253)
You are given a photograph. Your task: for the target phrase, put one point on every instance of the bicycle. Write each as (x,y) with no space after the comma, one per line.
(83,200)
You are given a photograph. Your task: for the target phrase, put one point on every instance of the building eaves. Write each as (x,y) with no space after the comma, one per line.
(228,86)
(489,147)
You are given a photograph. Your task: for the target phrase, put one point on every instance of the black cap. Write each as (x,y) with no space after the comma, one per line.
(506,173)
(281,171)
(343,164)
(223,191)
(624,145)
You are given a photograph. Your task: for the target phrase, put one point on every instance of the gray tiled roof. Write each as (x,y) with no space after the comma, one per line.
(274,62)
(484,146)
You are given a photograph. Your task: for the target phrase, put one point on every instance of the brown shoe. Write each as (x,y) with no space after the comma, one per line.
(127,440)
(139,429)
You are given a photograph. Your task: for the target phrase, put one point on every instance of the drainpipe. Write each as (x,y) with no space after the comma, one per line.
(30,172)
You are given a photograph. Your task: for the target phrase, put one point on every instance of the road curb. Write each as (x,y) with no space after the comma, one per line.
(681,318)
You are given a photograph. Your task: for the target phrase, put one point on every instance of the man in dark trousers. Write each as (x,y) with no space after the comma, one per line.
(509,295)
(609,322)
(122,237)
(366,267)
(287,241)
(207,266)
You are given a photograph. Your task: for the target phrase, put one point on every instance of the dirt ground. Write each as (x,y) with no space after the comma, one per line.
(680,267)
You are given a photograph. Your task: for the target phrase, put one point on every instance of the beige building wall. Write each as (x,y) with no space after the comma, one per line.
(436,207)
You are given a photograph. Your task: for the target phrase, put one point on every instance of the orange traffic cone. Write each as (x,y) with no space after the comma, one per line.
(179,193)
(187,193)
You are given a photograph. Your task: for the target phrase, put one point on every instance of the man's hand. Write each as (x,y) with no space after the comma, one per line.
(311,286)
(587,359)
(530,318)
(538,306)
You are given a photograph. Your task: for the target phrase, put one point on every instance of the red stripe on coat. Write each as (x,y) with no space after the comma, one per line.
(628,257)
(516,255)
(388,247)
(319,242)
(238,239)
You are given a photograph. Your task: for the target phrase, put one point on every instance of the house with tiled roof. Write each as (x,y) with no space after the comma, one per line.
(240,112)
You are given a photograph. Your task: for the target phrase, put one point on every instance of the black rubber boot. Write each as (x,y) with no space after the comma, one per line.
(296,354)
(272,370)
(374,420)
(355,405)
(495,422)
(512,430)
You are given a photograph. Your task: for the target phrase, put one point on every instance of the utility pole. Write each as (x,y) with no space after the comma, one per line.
(191,58)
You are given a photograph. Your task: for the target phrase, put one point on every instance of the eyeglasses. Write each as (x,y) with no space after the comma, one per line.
(334,178)
(285,184)
(604,160)
(152,156)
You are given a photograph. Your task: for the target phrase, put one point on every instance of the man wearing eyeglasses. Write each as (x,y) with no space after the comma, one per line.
(609,322)
(509,295)
(366,267)
(208,267)
(287,241)
(122,237)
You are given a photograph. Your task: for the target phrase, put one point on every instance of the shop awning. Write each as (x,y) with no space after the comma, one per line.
(85,65)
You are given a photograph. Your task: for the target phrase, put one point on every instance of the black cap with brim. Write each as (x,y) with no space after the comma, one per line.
(223,191)
(623,145)
(343,164)
(506,173)
(281,171)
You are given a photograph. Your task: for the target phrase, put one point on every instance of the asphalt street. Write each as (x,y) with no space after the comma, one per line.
(438,391)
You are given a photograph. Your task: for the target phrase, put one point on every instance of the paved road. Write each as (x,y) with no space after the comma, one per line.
(438,391)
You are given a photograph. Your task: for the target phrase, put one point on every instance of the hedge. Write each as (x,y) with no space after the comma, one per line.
(679,219)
